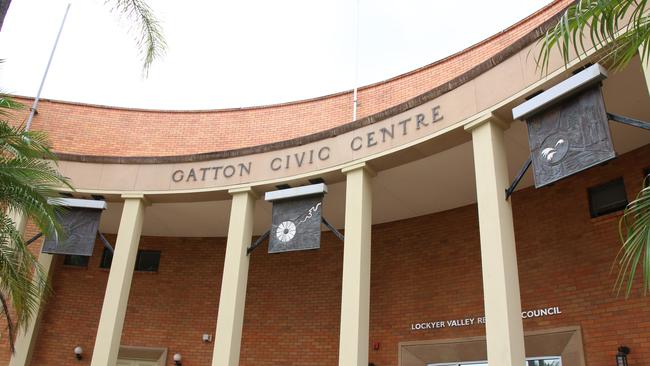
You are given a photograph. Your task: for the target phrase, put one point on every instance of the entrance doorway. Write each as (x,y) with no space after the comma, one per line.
(141,356)
(124,362)
(553,347)
(534,361)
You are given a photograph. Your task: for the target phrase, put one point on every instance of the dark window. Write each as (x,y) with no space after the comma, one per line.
(145,261)
(76,260)
(608,197)
(107,259)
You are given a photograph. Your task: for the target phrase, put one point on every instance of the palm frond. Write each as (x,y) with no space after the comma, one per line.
(8,105)
(634,231)
(22,279)
(28,178)
(149,39)
(16,142)
(619,27)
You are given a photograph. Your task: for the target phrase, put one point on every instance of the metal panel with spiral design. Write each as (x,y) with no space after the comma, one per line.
(569,137)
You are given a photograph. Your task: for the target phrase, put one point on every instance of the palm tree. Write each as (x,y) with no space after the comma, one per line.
(28,179)
(620,29)
(149,37)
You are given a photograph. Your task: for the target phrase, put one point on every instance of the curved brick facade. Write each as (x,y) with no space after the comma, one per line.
(106,131)
(424,268)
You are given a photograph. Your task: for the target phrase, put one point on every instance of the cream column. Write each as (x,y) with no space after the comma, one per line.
(646,68)
(355,299)
(230,318)
(109,332)
(26,339)
(504,328)
(20,221)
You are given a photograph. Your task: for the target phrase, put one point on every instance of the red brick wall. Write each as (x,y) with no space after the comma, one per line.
(97,130)
(423,269)
(429,268)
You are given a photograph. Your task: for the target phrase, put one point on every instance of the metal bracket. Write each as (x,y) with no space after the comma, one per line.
(101,237)
(520,175)
(107,245)
(33,239)
(258,242)
(628,121)
(333,229)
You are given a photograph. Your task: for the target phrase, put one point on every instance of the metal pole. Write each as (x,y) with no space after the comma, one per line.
(355,98)
(32,110)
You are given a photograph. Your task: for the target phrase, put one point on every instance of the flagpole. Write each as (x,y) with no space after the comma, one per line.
(32,110)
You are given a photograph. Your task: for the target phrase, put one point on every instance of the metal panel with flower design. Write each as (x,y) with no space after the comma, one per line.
(296,224)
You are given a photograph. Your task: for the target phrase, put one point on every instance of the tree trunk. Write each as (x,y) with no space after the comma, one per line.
(4,6)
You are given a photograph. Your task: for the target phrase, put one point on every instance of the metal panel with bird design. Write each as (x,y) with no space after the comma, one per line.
(569,137)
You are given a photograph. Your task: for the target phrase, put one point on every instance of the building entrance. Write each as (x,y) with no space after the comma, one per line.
(536,361)
(125,362)
(553,347)
(141,356)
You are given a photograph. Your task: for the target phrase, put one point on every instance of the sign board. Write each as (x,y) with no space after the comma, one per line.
(569,137)
(568,129)
(296,218)
(80,225)
(468,321)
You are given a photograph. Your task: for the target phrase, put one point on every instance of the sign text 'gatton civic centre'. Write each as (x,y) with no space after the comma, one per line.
(359,141)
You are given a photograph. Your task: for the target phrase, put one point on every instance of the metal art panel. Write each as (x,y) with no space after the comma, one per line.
(296,224)
(80,226)
(569,137)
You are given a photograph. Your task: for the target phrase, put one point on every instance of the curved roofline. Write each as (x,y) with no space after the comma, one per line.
(474,72)
(326,96)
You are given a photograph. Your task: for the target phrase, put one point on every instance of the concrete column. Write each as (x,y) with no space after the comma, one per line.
(504,328)
(109,332)
(646,68)
(230,318)
(20,221)
(355,299)
(26,338)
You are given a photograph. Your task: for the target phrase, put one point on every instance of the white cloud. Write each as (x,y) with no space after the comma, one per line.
(237,53)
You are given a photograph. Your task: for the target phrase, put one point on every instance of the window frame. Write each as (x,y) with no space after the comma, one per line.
(137,265)
(104,258)
(70,256)
(592,190)
(138,259)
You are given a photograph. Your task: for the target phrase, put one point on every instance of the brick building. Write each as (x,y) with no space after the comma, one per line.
(432,247)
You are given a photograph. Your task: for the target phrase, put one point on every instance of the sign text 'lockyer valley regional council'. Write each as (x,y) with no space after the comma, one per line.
(464,322)
(357,142)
